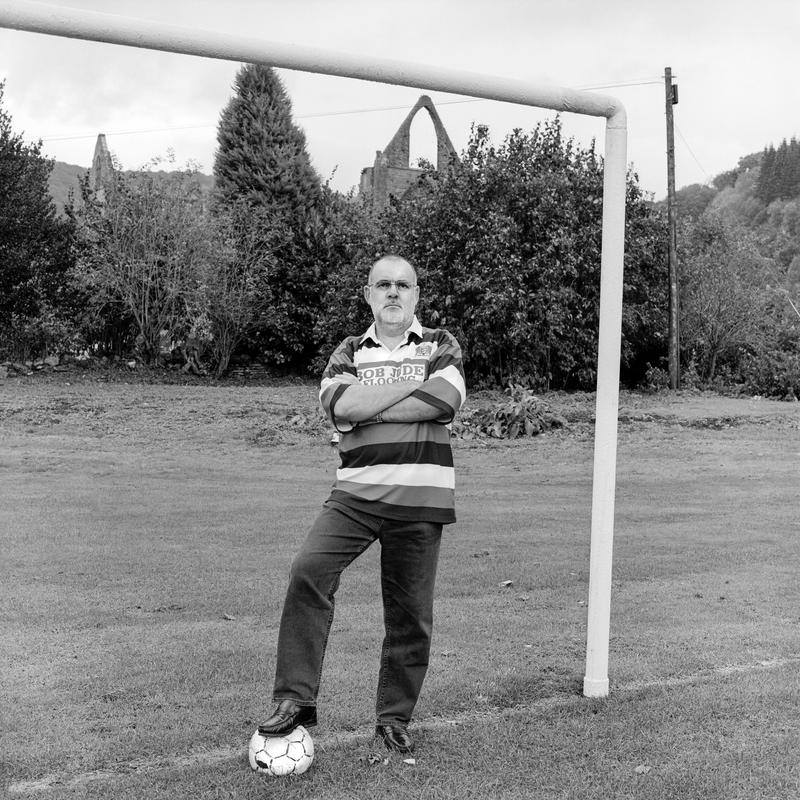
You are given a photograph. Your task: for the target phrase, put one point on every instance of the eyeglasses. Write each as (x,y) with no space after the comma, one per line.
(384,286)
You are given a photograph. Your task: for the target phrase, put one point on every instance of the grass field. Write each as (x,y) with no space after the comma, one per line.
(146,532)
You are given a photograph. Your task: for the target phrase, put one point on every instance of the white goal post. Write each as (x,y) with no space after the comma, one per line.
(101,27)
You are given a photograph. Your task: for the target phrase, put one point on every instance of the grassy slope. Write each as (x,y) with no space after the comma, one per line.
(65,179)
(142,517)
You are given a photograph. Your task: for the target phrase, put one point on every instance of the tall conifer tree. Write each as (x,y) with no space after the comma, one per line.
(781,171)
(765,189)
(263,171)
(262,155)
(793,179)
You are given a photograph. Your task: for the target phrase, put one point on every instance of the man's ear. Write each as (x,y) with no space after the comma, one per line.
(366,293)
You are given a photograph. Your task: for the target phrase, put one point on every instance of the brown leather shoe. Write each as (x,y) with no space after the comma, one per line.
(287,716)
(395,737)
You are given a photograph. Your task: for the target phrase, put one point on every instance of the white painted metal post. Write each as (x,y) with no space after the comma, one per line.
(595,682)
(100,27)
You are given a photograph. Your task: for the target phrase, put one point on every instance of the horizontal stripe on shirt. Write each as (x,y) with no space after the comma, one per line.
(400,475)
(398,453)
(394,432)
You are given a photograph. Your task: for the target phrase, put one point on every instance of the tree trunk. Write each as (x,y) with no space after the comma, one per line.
(712,366)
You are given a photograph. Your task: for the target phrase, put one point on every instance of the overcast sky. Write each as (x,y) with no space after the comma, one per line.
(736,62)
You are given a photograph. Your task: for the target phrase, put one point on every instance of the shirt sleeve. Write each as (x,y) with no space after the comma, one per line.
(445,388)
(334,383)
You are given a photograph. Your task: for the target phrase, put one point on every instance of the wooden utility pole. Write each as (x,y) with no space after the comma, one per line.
(671,97)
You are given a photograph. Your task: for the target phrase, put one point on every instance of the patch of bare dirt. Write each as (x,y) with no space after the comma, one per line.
(149,408)
(142,411)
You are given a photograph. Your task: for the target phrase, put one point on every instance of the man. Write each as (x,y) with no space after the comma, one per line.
(391,394)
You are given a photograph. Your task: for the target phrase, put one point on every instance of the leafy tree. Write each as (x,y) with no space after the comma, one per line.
(645,286)
(349,248)
(262,162)
(723,298)
(141,248)
(739,204)
(227,300)
(725,179)
(35,251)
(691,201)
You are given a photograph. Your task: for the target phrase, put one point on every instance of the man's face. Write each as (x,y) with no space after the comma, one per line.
(392,293)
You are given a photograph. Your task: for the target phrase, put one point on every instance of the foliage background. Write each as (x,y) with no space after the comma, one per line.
(267,267)
(36,298)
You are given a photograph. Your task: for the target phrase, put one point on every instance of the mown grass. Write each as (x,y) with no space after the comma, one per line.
(143,572)
(704,740)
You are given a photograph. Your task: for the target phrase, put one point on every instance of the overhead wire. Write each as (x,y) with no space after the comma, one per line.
(316,115)
(646,82)
(124,133)
(691,152)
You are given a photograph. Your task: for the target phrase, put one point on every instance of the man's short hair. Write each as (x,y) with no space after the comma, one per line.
(394,258)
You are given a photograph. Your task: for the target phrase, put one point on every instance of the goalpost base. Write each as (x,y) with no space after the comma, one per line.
(593,687)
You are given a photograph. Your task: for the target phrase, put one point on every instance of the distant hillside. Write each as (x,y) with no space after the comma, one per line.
(65,180)
(746,194)
(761,196)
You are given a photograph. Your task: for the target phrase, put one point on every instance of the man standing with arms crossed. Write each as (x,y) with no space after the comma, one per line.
(391,393)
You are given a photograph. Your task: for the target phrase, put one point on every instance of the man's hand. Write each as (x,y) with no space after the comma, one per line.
(361,401)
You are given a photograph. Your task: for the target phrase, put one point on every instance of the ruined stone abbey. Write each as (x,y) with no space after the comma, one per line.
(391,175)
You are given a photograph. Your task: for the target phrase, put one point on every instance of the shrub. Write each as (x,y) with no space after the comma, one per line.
(507,247)
(521,414)
(773,372)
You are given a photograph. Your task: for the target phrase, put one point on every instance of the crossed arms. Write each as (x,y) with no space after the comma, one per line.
(349,403)
(393,401)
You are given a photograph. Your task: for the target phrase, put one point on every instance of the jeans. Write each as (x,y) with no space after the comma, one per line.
(409,557)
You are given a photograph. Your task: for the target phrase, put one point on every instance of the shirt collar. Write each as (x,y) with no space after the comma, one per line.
(415,329)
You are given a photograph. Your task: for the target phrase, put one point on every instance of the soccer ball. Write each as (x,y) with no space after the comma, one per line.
(290,754)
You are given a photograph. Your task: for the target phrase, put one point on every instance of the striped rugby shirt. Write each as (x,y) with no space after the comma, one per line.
(398,470)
